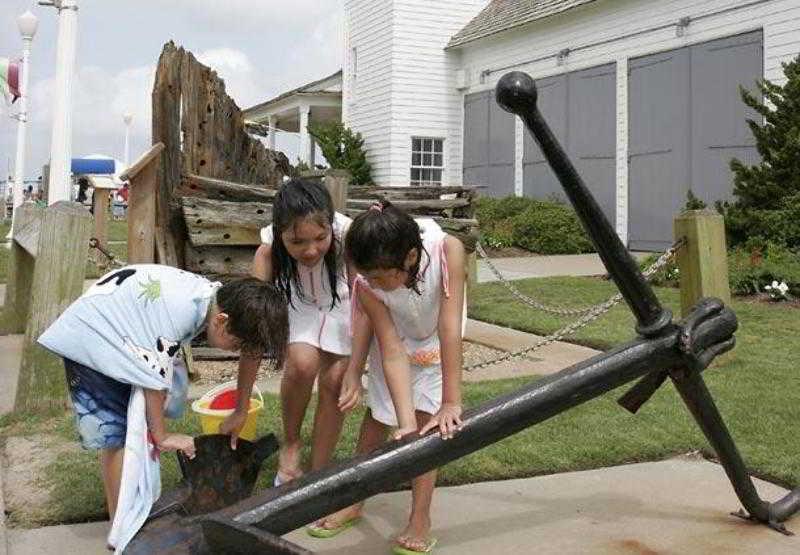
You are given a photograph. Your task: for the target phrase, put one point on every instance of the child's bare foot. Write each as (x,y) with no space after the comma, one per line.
(339,520)
(416,536)
(288,463)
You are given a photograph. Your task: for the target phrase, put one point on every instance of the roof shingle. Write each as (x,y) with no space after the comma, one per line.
(501,15)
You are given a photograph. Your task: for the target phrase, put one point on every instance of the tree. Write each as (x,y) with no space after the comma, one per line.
(343,149)
(767,194)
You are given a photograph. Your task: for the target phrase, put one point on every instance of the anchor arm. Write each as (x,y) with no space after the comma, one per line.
(696,356)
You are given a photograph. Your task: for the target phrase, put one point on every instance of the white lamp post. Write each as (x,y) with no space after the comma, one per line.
(127,118)
(27,23)
(60,184)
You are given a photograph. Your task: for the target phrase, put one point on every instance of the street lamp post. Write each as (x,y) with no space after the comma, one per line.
(61,139)
(27,24)
(127,118)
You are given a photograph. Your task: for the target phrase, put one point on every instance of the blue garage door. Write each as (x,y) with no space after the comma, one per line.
(686,122)
(488,145)
(580,108)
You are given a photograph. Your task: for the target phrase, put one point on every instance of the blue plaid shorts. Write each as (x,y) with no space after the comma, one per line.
(101,406)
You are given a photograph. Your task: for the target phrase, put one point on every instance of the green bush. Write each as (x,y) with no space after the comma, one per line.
(343,149)
(549,228)
(754,265)
(767,194)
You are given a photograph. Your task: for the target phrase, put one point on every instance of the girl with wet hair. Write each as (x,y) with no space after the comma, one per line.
(409,297)
(301,253)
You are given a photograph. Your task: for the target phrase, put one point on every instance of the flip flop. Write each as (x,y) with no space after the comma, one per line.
(320,532)
(400,550)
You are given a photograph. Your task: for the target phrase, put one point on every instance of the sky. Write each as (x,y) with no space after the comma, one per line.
(261,48)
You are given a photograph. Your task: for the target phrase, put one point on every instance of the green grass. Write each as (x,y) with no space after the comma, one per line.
(755,387)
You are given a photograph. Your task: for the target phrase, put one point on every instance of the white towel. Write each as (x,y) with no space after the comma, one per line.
(140,486)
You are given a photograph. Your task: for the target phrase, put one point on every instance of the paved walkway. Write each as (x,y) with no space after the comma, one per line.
(545,266)
(679,506)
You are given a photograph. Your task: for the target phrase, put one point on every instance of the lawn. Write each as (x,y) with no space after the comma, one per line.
(756,388)
(117,231)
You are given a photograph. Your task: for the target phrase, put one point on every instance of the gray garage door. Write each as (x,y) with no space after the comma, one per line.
(488,145)
(686,121)
(580,108)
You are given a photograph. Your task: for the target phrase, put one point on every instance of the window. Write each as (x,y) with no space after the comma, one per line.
(427,161)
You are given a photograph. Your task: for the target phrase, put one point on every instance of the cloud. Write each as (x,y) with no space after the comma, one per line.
(266,16)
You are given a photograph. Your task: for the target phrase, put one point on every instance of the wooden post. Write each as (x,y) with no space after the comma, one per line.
(100,210)
(20,270)
(337,181)
(62,249)
(703,260)
(471,271)
(142,206)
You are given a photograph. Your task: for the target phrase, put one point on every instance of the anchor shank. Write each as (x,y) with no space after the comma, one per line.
(516,93)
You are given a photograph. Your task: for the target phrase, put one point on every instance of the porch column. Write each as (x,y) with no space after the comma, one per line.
(305,138)
(272,121)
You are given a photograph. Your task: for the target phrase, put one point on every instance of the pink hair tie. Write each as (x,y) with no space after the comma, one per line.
(377,206)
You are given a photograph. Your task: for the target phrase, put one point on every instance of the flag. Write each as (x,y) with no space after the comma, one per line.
(9,78)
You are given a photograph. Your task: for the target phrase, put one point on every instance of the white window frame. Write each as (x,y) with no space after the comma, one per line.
(424,166)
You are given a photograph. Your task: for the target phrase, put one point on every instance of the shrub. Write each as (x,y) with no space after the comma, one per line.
(767,194)
(755,265)
(549,228)
(343,149)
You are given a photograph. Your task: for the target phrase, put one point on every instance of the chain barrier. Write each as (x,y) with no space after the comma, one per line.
(592,314)
(112,259)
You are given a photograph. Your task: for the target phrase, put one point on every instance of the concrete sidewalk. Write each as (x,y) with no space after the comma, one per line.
(679,506)
(546,266)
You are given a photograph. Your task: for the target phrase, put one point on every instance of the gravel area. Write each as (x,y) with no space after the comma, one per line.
(212,372)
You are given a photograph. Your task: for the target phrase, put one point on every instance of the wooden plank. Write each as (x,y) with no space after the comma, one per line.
(337,181)
(218,189)
(703,260)
(22,261)
(408,192)
(100,200)
(216,222)
(220,261)
(57,281)
(144,160)
(27,236)
(142,202)
(413,205)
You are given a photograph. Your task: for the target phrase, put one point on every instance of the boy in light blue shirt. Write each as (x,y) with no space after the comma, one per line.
(123,334)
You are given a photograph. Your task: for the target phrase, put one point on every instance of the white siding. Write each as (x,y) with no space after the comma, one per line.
(367,103)
(630,28)
(406,80)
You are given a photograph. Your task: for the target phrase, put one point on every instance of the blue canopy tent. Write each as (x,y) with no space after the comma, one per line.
(93,166)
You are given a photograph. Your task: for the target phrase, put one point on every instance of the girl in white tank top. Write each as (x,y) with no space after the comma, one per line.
(301,253)
(407,312)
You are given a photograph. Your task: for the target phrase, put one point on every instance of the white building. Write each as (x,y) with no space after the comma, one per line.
(643,94)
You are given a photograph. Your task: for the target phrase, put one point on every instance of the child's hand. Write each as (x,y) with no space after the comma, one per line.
(448,420)
(178,442)
(351,391)
(233,425)
(400,433)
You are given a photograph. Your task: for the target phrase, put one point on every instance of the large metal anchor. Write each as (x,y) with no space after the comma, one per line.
(679,350)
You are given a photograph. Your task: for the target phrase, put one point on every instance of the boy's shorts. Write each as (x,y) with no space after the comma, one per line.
(101,406)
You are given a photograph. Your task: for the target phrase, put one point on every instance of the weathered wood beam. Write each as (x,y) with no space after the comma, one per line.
(217,222)
(407,192)
(219,261)
(143,161)
(414,205)
(218,189)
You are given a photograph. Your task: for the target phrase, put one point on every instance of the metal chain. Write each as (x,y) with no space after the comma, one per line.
(524,298)
(594,313)
(112,259)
